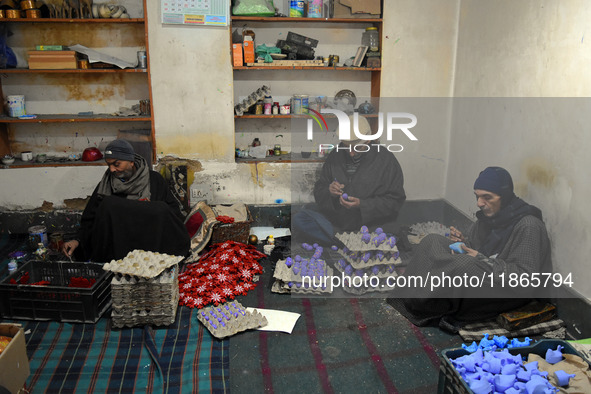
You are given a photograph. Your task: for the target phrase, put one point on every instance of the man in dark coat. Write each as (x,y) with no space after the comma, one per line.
(506,249)
(131,208)
(360,184)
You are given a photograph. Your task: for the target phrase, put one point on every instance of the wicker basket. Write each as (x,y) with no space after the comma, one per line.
(237,231)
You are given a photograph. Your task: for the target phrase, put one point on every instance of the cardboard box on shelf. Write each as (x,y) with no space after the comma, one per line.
(249,52)
(14,363)
(237,59)
(357,9)
(52,60)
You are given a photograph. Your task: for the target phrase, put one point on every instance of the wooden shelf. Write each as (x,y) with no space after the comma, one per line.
(323,68)
(301,20)
(72,71)
(69,118)
(61,20)
(288,158)
(51,163)
(290,116)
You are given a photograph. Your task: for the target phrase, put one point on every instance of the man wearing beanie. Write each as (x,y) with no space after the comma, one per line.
(508,240)
(131,208)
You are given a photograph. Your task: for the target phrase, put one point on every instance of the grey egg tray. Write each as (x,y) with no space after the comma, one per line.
(285,275)
(230,318)
(353,242)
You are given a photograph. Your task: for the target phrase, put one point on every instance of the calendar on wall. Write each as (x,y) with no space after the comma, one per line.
(196,12)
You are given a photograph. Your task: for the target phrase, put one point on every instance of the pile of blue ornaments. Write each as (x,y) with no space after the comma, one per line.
(490,370)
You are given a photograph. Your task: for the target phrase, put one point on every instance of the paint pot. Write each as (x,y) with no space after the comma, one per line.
(285,109)
(296,9)
(296,105)
(37,235)
(27,155)
(305,103)
(16,105)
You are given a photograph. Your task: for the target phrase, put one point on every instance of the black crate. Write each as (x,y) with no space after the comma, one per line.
(56,301)
(450,380)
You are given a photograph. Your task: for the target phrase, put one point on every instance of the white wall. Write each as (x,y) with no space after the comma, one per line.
(528,49)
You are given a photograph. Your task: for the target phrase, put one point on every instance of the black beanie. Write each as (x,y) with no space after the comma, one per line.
(496,180)
(121,150)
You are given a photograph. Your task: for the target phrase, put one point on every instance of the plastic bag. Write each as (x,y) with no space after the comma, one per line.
(253,8)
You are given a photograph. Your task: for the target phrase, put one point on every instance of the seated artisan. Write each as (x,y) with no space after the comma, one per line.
(360,184)
(131,208)
(508,240)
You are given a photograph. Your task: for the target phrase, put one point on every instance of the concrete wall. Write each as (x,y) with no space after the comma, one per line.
(528,49)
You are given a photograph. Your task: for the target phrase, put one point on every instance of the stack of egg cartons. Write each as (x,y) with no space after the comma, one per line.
(144,289)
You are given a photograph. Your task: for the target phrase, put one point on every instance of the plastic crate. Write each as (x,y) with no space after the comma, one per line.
(56,301)
(450,380)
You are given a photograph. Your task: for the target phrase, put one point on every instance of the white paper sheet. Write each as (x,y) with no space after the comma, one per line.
(278,320)
(94,56)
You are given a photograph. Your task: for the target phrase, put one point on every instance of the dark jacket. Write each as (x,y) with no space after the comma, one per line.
(112,225)
(378,183)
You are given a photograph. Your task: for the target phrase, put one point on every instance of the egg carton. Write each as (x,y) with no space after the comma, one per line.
(381,271)
(140,301)
(142,264)
(287,271)
(362,260)
(297,288)
(356,241)
(418,231)
(230,318)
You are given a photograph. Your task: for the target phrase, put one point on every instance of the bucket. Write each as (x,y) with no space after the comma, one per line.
(305,104)
(296,9)
(37,234)
(16,105)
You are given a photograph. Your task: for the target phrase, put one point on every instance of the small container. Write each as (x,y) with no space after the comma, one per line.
(371,39)
(277,150)
(296,9)
(268,108)
(315,8)
(16,105)
(56,241)
(305,103)
(296,105)
(12,266)
(258,109)
(256,142)
(37,235)
(275,109)
(285,109)
(142,59)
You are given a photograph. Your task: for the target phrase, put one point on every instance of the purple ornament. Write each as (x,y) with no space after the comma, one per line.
(379,231)
(366,237)
(364,229)
(375,270)
(348,269)
(288,262)
(345,196)
(380,256)
(335,248)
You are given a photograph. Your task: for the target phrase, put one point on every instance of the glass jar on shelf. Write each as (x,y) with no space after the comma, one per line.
(371,39)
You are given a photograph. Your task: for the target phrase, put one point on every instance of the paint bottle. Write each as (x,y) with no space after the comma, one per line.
(315,8)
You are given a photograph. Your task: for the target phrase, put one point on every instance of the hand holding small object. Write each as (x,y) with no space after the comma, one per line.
(457,247)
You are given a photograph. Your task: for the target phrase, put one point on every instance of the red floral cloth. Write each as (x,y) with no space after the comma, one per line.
(225,271)
(225,219)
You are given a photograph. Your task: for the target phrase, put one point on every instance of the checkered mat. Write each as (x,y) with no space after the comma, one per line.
(338,345)
(93,358)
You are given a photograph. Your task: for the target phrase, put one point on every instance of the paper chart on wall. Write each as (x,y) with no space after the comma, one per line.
(195,12)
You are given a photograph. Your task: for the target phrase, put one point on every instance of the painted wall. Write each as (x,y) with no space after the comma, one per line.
(528,49)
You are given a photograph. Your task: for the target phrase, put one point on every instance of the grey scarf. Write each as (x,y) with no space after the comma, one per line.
(135,188)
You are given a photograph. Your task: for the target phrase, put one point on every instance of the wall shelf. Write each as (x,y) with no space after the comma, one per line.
(322,68)
(72,71)
(302,20)
(91,95)
(69,118)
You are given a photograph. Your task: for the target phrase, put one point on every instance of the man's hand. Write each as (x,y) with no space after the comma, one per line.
(470,251)
(336,188)
(352,202)
(69,247)
(456,235)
